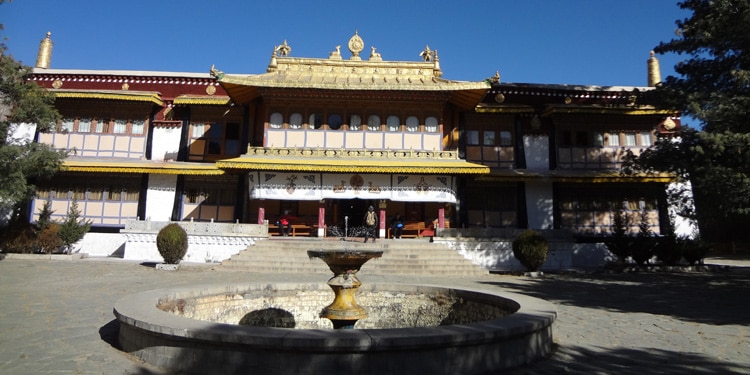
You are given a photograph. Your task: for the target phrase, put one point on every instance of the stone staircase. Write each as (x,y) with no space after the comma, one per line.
(400,257)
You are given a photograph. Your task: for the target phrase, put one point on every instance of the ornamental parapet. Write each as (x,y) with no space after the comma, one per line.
(346,153)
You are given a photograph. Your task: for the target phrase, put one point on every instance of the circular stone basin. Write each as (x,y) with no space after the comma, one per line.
(276,328)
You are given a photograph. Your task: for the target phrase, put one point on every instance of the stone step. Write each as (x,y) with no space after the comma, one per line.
(399,257)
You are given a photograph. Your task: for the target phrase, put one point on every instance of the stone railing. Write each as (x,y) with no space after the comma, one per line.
(198,228)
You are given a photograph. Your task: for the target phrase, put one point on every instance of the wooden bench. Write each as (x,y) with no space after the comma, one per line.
(410,230)
(296,230)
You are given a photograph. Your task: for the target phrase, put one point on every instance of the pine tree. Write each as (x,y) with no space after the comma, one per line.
(713,87)
(73,228)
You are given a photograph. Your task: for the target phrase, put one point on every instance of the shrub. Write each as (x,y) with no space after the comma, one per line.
(667,251)
(172,243)
(620,244)
(531,249)
(693,250)
(18,237)
(48,239)
(73,229)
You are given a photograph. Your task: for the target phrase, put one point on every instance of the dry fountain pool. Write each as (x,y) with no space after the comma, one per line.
(278,328)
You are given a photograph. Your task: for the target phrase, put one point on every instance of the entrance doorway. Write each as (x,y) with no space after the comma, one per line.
(355,209)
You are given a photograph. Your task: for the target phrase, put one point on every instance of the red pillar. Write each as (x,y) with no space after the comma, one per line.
(261,214)
(441,217)
(381,225)
(322,219)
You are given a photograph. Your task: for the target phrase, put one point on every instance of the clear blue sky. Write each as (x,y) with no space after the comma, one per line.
(599,42)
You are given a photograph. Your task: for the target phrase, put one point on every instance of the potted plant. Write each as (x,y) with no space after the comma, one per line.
(172,243)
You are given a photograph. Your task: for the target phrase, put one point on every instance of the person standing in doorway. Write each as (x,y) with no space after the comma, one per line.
(397,226)
(370,221)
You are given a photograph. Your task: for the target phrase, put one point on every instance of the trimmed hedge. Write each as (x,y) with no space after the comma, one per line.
(172,243)
(531,249)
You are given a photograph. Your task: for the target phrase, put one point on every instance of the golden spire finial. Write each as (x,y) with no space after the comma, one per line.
(44,56)
(654,72)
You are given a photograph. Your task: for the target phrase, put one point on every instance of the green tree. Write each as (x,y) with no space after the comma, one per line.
(73,228)
(713,87)
(22,163)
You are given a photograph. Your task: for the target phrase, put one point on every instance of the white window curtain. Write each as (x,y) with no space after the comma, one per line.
(373,122)
(613,139)
(355,122)
(412,124)
(645,139)
(295,121)
(277,119)
(67,125)
(121,127)
(431,124)
(137,127)
(394,123)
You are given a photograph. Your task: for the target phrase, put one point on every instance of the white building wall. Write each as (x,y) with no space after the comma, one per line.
(536,151)
(680,197)
(539,204)
(160,197)
(166,143)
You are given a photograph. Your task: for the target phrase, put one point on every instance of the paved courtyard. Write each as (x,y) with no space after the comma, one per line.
(56,316)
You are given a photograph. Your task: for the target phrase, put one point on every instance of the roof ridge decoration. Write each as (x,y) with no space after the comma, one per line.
(281,60)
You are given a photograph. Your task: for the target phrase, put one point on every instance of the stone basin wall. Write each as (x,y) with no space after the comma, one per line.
(301,308)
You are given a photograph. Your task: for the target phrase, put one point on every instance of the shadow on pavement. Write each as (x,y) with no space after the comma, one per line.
(711,298)
(579,360)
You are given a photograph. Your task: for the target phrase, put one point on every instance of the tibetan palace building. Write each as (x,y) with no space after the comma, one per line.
(322,139)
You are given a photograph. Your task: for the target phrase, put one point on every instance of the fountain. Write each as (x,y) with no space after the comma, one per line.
(410,329)
(344,312)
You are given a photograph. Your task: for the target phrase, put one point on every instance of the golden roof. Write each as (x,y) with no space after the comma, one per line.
(353,161)
(94,165)
(571,175)
(336,73)
(202,99)
(138,96)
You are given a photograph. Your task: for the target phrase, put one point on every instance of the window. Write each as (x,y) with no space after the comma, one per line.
(472,137)
(355,122)
(566,138)
(598,139)
(645,139)
(582,139)
(102,126)
(506,138)
(67,125)
(489,138)
(276,121)
(613,139)
(84,125)
(335,121)
(373,122)
(137,127)
(295,121)
(630,139)
(232,139)
(316,120)
(394,123)
(121,127)
(431,124)
(412,124)
(215,133)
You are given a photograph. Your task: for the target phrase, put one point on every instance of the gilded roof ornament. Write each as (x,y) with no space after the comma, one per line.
(654,72)
(356,45)
(44,55)
(375,56)
(284,49)
(428,54)
(218,74)
(336,54)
